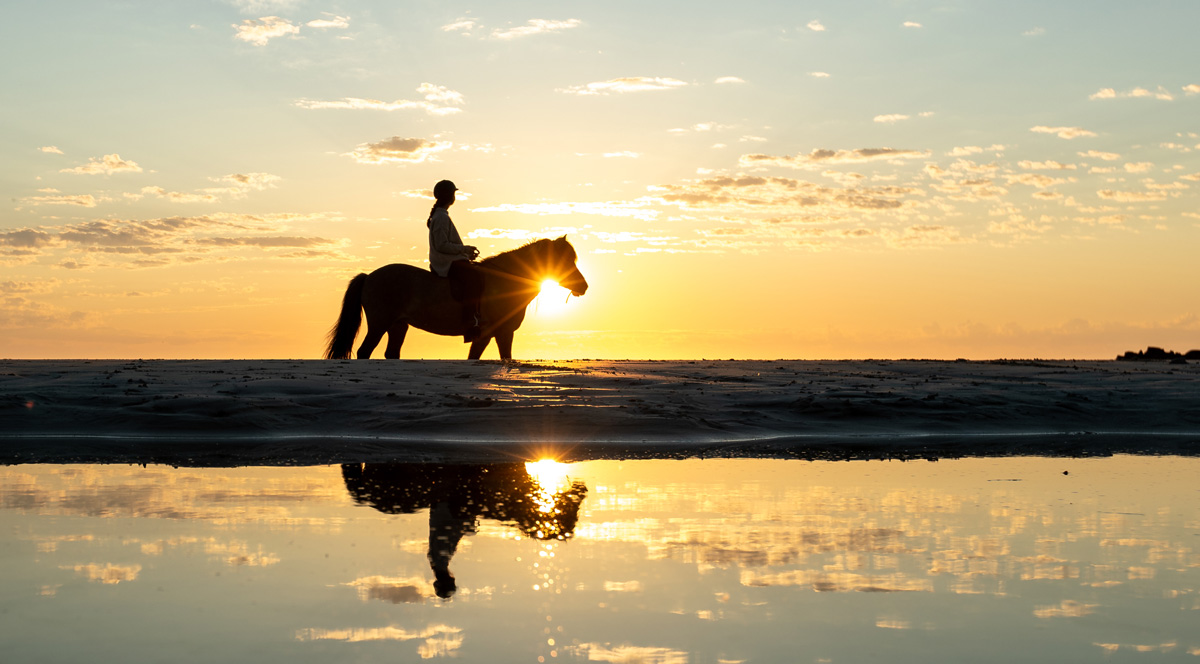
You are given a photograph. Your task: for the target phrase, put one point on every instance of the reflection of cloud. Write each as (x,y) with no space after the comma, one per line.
(108,164)
(398,150)
(1066,609)
(623,586)
(627,654)
(107,573)
(625,84)
(392,589)
(1063,132)
(260,31)
(821,581)
(438,640)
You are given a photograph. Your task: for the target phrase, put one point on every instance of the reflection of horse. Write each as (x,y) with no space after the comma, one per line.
(457,496)
(396,296)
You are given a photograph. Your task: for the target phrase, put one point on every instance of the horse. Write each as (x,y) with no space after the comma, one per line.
(398,295)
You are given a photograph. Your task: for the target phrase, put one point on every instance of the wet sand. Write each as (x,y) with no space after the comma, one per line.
(247,412)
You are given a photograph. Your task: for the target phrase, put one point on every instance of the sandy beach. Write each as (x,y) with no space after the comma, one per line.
(238,412)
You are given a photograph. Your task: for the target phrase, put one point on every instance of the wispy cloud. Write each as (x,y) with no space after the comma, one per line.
(178,196)
(1096,154)
(106,165)
(461,25)
(1048,165)
(262,30)
(1192,89)
(1131,196)
(536,26)
(815,26)
(635,209)
(890,119)
(1063,132)
(821,157)
(82,200)
(398,150)
(625,84)
(728,79)
(818,74)
(438,100)
(911,24)
(1109,93)
(50,149)
(1034,32)
(332,21)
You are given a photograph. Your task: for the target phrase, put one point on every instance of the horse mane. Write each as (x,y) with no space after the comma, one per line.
(500,257)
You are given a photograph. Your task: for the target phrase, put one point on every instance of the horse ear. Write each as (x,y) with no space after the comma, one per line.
(562,239)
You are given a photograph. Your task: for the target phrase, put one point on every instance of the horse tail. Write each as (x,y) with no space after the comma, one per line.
(343,332)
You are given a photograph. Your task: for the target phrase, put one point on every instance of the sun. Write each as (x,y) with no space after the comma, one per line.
(551,299)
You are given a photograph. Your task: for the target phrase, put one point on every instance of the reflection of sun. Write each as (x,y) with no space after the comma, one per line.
(552,298)
(551,477)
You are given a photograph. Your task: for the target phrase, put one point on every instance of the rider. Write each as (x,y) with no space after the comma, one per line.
(449,257)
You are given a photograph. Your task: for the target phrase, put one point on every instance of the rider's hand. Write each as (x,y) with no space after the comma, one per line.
(470,252)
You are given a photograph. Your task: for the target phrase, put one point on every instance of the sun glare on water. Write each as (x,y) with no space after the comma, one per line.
(552,298)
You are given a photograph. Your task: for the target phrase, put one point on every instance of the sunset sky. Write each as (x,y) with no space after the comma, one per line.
(896,179)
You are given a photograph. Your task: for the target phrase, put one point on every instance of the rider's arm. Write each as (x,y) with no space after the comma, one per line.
(439,236)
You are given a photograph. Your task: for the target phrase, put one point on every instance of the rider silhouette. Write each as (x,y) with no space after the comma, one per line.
(449,257)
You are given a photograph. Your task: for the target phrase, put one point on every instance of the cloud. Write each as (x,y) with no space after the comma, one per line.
(1034,180)
(461,25)
(438,100)
(332,22)
(1192,89)
(82,200)
(1131,196)
(1063,132)
(51,149)
(1138,167)
(536,26)
(625,153)
(890,119)
(699,127)
(820,157)
(108,164)
(249,181)
(260,31)
(815,26)
(165,240)
(178,197)
(1034,32)
(911,24)
(398,150)
(818,74)
(1096,154)
(634,209)
(625,84)
(1109,93)
(262,6)
(728,79)
(1048,165)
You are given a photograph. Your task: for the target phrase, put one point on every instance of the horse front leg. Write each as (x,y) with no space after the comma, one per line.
(504,344)
(477,347)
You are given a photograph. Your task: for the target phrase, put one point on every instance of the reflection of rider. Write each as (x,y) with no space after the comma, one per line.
(449,257)
(457,496)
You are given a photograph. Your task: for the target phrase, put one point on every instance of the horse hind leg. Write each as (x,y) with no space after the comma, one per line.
(504,344)
(396,334)
(374,336)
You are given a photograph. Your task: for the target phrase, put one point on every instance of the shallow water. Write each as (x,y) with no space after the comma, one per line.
(647,561)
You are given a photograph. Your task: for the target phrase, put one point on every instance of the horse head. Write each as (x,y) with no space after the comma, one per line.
(563,268)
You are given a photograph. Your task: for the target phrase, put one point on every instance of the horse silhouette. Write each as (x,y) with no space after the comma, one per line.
(458,495)
(396,296)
